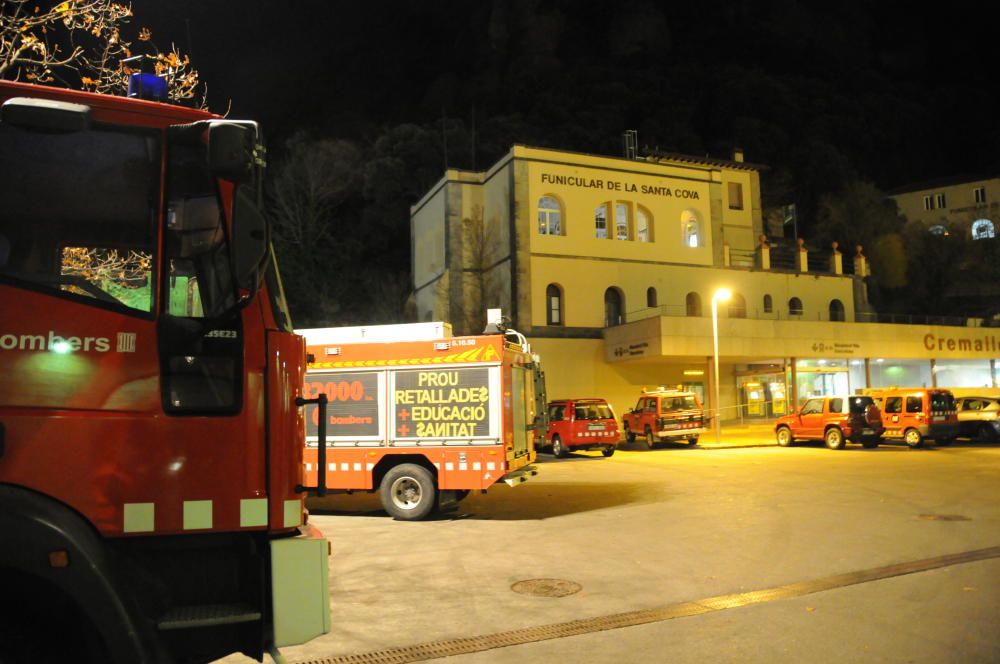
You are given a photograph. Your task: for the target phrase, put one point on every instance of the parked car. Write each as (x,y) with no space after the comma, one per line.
(665,415)
(913,414)
(835,420)
(979,418)
(581,424)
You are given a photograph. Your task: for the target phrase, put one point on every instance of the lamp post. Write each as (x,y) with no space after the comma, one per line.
(721,295)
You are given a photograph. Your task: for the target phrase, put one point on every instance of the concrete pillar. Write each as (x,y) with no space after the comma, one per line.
(803,256)
(793,389)
(868,372)
(933,372)
(764,253)
(726,259)
(836,260)
(993,372)
(860,262)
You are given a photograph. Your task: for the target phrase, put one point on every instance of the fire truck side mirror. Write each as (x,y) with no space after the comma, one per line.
(250,241)
(231,151)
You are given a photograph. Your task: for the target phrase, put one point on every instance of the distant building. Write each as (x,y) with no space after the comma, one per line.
(968,204)
(609,266)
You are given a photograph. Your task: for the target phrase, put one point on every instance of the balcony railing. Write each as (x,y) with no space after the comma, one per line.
(681,311)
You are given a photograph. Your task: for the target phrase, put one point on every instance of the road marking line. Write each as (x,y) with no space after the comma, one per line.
(437,649)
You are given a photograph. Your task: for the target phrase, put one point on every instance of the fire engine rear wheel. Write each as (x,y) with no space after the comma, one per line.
(834,438)
(913,438)
(693,440)
(408,492)
(650,439)
(608,451)
(558,449)
(629,435)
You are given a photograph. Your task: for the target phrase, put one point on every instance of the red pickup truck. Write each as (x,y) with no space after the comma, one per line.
(665,415)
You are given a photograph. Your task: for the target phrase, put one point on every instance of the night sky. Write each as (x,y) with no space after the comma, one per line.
(908,87)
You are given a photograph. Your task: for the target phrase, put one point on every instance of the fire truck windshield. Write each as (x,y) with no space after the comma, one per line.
(79,213)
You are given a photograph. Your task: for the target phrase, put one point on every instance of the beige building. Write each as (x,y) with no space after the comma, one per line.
(970,205)
(610,266)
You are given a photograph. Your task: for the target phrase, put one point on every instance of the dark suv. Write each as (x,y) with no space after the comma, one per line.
(834,420)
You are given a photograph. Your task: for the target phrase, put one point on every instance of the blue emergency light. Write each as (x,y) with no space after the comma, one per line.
(147,86)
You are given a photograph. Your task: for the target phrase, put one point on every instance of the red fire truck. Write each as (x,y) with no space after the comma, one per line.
(151,507)
(423,422)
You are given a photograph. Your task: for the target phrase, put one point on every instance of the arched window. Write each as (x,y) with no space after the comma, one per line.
(691,229)
(601,222)
(622,230)
(693,304)
(837,310)
(549,216)
(737,306)
(795,307)
(937,229)
(614,307)
(553,305)
(651,297)
(643,224)
(983,229)
(768,304)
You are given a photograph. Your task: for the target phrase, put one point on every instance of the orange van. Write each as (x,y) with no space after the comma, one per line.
(911,415)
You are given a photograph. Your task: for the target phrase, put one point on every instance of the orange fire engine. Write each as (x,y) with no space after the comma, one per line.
(151,507)
(423,422)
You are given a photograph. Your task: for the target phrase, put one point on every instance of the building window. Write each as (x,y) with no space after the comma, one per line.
(735,196)
(549,216)
(983,229)
(643,224)
(691,229)
(601,222)
(553,305)
(768,304)
(795,307)
(939,200)
(928,203)
(737,306)
(651,297)
(980,194)
(937,229)
(837,310)
(614,307)
(621,221)
(693,304)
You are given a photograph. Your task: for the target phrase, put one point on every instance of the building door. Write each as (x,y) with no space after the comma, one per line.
(614,308)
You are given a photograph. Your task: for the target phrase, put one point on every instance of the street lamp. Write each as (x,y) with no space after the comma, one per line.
(721,295)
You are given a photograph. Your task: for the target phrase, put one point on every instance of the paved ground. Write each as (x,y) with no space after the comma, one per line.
(649,530)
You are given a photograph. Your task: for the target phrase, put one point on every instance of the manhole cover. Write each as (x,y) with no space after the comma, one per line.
(546,587)
(943,517)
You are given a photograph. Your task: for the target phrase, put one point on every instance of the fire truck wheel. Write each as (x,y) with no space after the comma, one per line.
(408,492)
(629,435)
(912,438)
(834,438)
(608,451)
(693,440)
(558,449)
(650,439)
